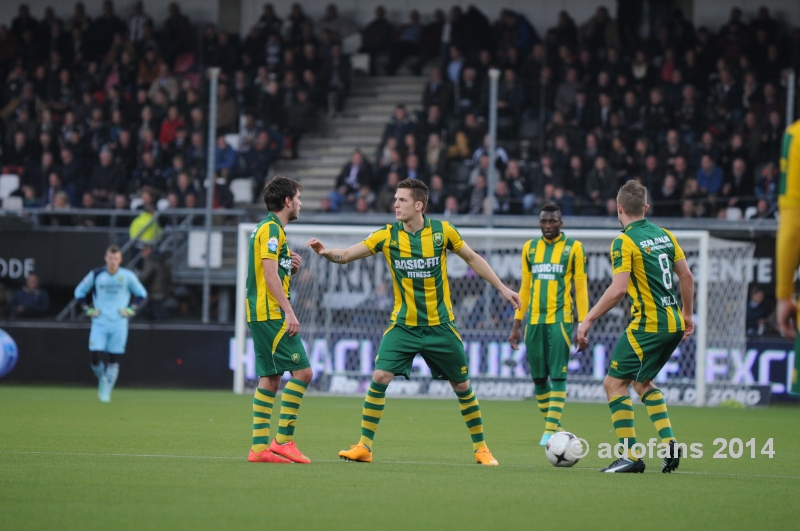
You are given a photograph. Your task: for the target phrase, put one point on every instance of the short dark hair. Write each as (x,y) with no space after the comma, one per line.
(419,190)
(551,207)
(632,197)
(113,249)
(277,190)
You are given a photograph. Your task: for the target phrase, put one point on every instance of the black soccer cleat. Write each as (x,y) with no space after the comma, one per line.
(673,458)
(623,465)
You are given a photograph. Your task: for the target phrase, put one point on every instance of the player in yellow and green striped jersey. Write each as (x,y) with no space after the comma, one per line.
(275,327)
(787,250)
(550,265)
(422,319)
(644,259)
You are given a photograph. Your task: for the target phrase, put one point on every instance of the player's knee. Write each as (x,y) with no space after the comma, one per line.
(382,377)
(460,387)
(304,375)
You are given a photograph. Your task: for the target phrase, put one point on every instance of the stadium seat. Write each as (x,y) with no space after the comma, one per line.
(8,184)
(360,62)
(351,44)
(242,190)
(12,203)
(233,141)
(162,204)
(733,214)
(750,212)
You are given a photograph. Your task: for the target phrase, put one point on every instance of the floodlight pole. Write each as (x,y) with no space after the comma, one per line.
(210,182)
(791,88)
(494,75)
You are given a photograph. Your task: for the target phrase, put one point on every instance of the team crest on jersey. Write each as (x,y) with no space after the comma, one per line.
(120,278)
(272,244)
(296,357)
(438,239)
(567,249)
(647,249)
(616,255)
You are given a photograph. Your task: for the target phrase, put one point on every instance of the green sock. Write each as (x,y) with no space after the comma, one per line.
(371,415)
(542,397)
(555,407)
(290,402)
(471,413)
(622,417)
(262,412)
(657,409)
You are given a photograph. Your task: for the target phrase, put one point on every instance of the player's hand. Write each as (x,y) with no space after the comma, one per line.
(787,318)
(297,261)
(513,297)
(689,330)
(127,312)
(582,335)
(91,312)
(317,246)
(292,325)
(513,338)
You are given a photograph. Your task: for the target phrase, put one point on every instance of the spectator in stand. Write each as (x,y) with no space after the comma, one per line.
(355,175)
(301,119)
(145,228)
(407,45)
(259,160)
(156,277)
(757,314)
(31,300)
(227,160)
(667,198)
(399,126)
(376,38)
(106,180)
(437,195)
(738,185)
(384,202)
(438,92)
(709,176)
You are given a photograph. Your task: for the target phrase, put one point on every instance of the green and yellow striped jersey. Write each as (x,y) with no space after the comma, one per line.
(267,241)
(548,268)
(789,185)
(418,263)
(649,253)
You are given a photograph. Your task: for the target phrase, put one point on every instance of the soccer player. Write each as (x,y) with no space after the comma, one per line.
(787,250)
(111,308)
(422,320)
(549,265)
(275,327)
(644,259)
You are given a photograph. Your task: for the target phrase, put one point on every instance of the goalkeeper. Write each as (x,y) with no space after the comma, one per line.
(111,307)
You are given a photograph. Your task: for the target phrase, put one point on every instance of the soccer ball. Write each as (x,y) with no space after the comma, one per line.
(563,449)
(8,353)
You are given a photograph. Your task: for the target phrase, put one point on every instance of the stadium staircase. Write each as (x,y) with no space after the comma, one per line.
(367,111)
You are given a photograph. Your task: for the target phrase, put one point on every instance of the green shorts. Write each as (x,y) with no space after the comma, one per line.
(547,347)
(276,351)
(640,356)
(440,346)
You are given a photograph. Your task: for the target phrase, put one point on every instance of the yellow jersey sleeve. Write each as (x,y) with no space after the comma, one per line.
(679,255)
(581,280)
(789,183)
(375,241)
(525,286)
(270,239)
(452,237)
(621,256)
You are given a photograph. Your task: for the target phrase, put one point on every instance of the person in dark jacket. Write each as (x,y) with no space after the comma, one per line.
(31,300)
(157,279)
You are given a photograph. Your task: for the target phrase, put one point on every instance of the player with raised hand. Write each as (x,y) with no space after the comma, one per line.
(549,266)
(422,321)
(275,327)
(644,259)
(787,252)
(111,307)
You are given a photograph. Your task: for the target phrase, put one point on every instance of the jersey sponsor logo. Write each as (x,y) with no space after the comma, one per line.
(285,263)
(417,267)
(656,244)
(272,244)
(547,271)
(438,238)
(614,364)
(464,370)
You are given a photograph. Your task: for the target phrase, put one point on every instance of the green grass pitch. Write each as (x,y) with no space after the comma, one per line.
(177,460)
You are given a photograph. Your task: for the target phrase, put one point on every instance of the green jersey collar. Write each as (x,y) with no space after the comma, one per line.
(276,219)
(638,223)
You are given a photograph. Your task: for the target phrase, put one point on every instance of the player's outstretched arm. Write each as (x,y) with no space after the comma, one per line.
(482,268)
(275,287)
(611,297)
(686,279)
(339,256)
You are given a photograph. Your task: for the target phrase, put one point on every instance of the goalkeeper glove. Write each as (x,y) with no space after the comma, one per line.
(127,312)
(91,312)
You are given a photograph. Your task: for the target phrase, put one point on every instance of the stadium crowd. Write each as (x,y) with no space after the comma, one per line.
(97,109)
(696,116)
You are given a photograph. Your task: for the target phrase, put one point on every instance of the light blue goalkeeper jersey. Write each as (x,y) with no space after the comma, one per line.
(110,293)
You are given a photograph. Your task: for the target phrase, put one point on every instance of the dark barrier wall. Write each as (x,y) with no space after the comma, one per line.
(157,356)
(59,258)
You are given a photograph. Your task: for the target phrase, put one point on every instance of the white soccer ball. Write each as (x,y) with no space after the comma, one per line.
(563,449)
